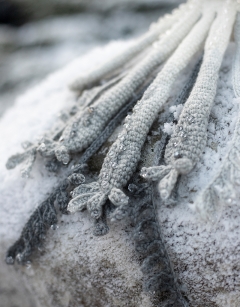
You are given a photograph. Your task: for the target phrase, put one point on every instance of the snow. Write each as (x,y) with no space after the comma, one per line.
(168,128)
(206,256)
(176,110)
(72,243)
(74,264)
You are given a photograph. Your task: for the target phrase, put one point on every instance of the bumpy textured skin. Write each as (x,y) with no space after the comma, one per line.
(35,229)
(222,190)
(28,157)
(124,154)
(95,109)
(159,277)
(156,29)
(189,138)
(122,211)
(47,145)
(45,214)
(86,127)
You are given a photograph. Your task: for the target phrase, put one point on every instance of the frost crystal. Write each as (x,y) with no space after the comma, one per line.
(119,104)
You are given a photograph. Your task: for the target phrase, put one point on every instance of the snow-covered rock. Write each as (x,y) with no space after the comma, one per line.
(74,268)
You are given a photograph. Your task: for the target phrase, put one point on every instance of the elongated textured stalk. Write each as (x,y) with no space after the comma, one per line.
(124,154)
(46,146)
(121,211)
(165,23)
(223,188)
(81,130)
(89,125)
(45,214)
(97,143)
(158,273)
(159,277)
(189,138)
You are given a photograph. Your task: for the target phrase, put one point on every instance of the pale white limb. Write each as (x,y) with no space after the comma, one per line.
(93,76)
(87,126)
(222,190)
(124,154)
(185,147)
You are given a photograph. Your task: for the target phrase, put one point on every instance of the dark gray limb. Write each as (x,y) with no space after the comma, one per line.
(33,232)
(35,229)
(16,159)
(159,277)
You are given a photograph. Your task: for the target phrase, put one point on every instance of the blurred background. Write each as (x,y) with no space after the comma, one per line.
(40,36)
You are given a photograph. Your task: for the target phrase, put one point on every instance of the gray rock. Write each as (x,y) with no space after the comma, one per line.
(74,268)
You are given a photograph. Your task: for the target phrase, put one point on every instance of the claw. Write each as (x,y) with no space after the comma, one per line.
(46,148)
(62,154)
(118,198)
(95,203)
(155,173)
(85,188)
(76,179)
(14,160)
(29,163)
(119,213)
(79,203)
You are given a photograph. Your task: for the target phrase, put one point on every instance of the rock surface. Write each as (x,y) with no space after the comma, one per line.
(74,268)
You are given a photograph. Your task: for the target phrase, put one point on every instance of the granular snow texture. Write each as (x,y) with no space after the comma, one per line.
(75,268)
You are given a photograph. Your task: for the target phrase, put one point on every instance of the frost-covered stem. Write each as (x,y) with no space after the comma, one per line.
(89,125)
(46,146)
(189,138)
(160,145)
(92,77)
(33,232)
(159,277)
(45,214)
(112,125)
(222,190)
(124,154)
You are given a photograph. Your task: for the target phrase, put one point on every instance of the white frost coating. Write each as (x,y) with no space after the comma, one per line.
(168,128)
(223,188)
(205,260)
(136,47)
(88,125)
(189,138)
(75,264)
(176,110)
(29,110)
(206,256)
(124,154)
